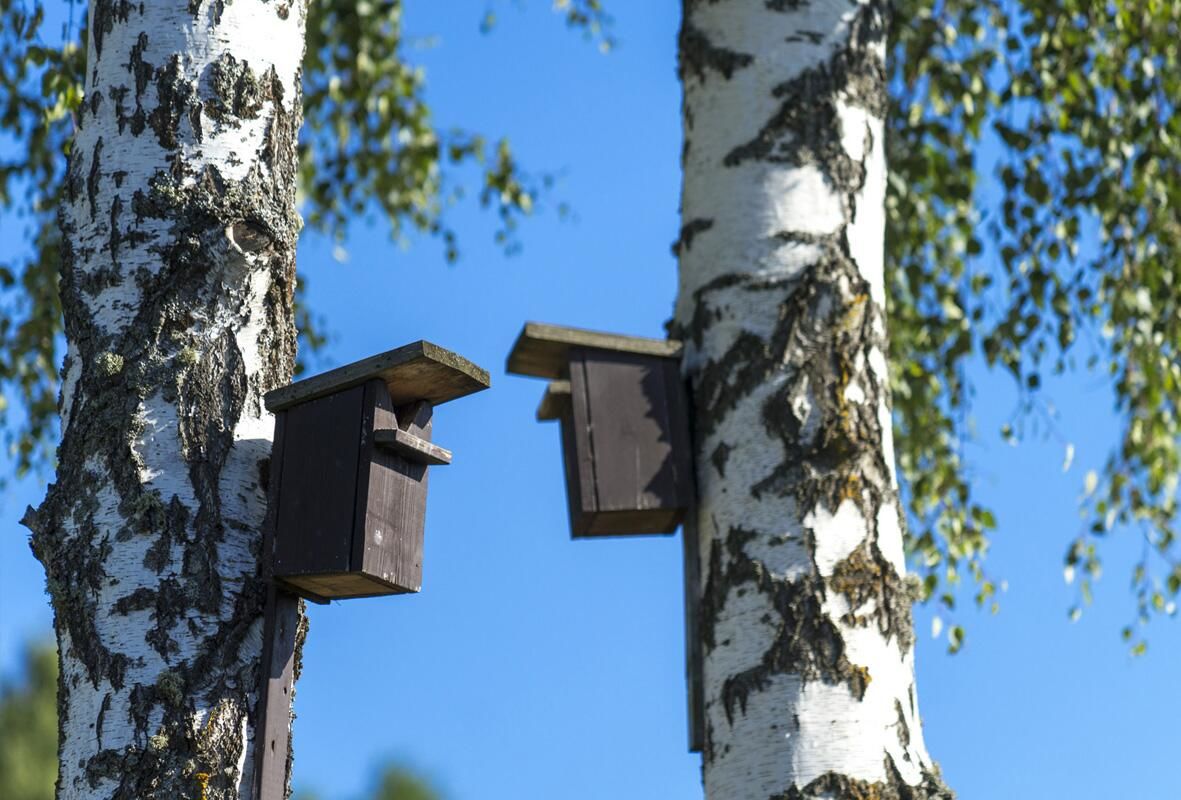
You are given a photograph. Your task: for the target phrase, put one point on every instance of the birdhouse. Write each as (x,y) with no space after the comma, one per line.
(349,471)
(621,405)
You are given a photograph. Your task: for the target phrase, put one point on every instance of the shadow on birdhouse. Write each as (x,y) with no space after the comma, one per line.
(621,404)
(349,468)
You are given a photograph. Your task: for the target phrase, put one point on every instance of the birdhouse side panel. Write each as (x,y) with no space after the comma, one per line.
(578,452)
(680,436)
(314,523)
(579,475)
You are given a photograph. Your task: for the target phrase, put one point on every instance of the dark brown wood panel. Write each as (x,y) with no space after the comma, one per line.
(679,435)
(273,724)
(411,447)
(578,450)
(395,514)
(276,676)
(340,585)
(627,523)
(319,485)
(630,431)
(628,465)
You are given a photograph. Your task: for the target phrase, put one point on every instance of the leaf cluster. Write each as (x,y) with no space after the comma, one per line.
(369,147)
(1071,262)
(369,144)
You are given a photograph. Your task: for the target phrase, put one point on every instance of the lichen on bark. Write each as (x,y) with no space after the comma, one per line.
(179,232)
(805,613)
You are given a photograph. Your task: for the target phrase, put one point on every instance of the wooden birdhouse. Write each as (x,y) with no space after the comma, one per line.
(625,431)
(349,471)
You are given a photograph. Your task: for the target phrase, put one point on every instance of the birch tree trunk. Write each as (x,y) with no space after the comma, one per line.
(179,232)
(806,619)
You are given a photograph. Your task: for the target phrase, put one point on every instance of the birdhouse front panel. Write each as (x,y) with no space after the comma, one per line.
(628,425)
(391,529)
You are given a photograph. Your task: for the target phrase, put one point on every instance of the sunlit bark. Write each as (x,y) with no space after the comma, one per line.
(179,232)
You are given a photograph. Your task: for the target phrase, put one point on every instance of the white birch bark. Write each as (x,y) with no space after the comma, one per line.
(179,232)
(805,617)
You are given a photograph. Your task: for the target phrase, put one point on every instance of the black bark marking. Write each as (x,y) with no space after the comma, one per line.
(176,95)
(103,16)
(866,578)
(902,727)
(828,327)
(697,55)
(236,92)
(139,68)
(806,641)
(835,785)
(807,127)
(689,232)
(74,576)
(167,352)
(171,529)
(142,598)
(102,714)
(718,459)
(811,37)
(95,175)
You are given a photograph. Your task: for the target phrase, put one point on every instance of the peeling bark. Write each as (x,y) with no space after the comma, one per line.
(179,233)
(805,611)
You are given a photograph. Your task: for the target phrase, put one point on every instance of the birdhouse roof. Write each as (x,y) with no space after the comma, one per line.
(417,371)
(542,350)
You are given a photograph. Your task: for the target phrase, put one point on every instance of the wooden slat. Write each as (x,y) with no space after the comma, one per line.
(577,450)
(415,417)
(418,371)
(652,521)
(342,586)
(392,518)
(320,480)
(556,398)
(411,447)
(541,350)
(272,723)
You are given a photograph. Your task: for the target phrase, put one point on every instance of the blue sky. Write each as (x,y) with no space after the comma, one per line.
(536,667)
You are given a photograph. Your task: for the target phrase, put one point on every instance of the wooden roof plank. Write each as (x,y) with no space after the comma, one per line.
(541,350)
(556,397)
(417,371)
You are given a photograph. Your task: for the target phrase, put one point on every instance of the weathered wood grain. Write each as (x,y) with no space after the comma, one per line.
(555,399)
(319,484)
(272,719)
(542,350)
(630,440)
(411,447)
(390,524)
(417,371)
